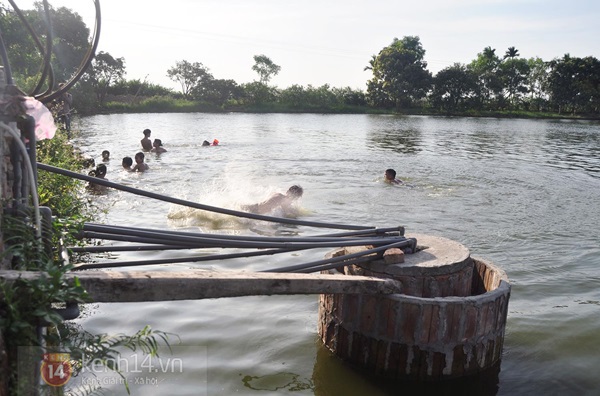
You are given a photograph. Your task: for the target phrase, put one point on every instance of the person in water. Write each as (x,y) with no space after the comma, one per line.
(146,142)
(88,163)
(157,147)
(127,163)
(390,177)
(140,165)
(205,143)
(105,156)
(277,201)
(100,173)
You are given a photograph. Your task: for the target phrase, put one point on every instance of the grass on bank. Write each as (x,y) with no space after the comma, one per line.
(27,306)
(167,104)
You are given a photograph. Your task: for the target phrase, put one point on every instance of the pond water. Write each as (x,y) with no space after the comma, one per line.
(521,193)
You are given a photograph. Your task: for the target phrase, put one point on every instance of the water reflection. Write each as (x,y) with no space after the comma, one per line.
(332,376)
(402,135)
(283,381)
(403,141)
(576,147)
(482,384)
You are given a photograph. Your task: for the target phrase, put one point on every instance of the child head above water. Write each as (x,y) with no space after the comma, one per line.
(127,162)
(295,191)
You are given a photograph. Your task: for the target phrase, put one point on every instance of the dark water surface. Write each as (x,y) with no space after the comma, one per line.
(521,193)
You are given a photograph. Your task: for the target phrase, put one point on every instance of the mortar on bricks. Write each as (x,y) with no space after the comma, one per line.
(449,321)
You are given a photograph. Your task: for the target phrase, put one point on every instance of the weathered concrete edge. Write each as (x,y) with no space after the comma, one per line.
(139,286)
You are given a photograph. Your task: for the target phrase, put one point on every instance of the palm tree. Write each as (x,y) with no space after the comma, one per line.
(514,73)
(511,53)
(489,53)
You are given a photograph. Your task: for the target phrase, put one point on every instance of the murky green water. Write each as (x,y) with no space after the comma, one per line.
(521,193)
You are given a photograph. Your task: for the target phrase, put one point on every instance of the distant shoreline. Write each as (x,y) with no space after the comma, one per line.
(193,107)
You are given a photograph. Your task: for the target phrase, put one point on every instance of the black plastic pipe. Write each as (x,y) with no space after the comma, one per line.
(124,248)
(316,265)
(158,237)
(195,205)
(182,259)
(112,229)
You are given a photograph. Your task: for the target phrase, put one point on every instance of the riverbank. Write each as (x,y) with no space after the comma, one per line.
(172,105)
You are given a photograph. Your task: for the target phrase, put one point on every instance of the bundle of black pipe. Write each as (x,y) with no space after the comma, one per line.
(379,239)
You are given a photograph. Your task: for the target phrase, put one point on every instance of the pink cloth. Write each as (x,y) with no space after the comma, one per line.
(44,122)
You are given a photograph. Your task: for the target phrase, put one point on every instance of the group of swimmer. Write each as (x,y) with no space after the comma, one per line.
(215,142)
(285,201)
(140,165)
(151,146)
(278,200)
(154,146)
(127,162)
(100,171)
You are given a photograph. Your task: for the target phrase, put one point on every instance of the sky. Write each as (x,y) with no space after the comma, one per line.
(331,42)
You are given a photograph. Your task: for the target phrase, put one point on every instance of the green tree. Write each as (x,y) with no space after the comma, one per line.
(191,76)
(537,83)
(400,74)
(349,96)
(137,87)
(377,95)
(514,72)
(25,59)
(560,83)
(294,96)
(453,88)
(69,45)
(511,53)
(105,71)
(588,83)
(218,91)
(321,97)
(257,93)
(70,41)
(265,68)
(591,87)
(574,84)
(486,68)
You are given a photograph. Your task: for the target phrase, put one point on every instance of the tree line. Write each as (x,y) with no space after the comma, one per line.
(492,82)
(489,82)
